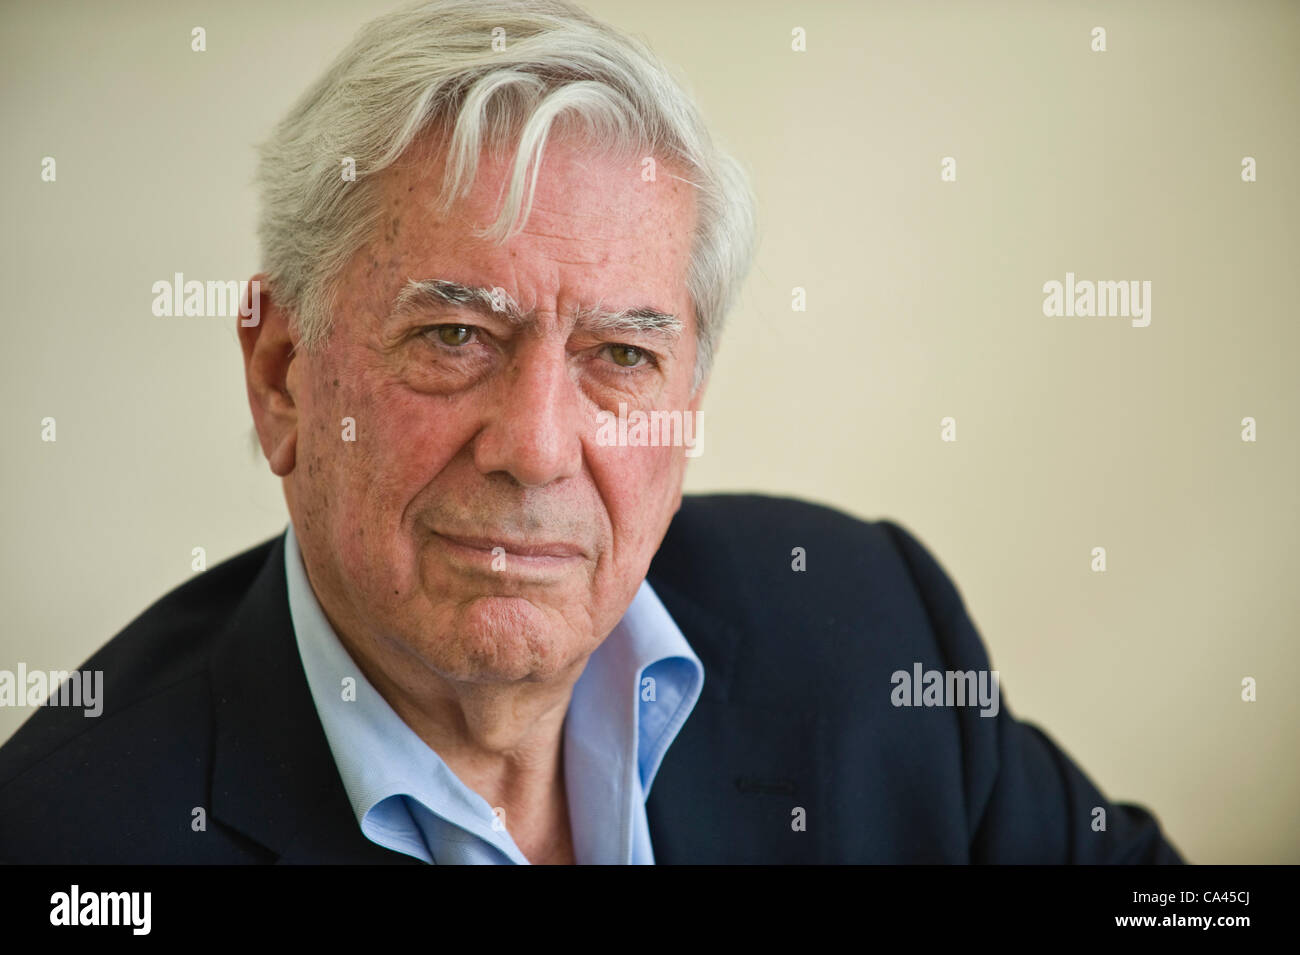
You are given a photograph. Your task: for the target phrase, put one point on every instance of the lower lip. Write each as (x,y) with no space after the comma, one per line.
(526,566)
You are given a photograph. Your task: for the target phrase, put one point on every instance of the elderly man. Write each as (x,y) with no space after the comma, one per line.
(494,624)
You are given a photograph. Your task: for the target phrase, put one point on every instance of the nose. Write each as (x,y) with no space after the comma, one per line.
(533,430)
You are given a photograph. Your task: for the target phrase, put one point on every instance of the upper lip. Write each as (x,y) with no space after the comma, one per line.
(519,548)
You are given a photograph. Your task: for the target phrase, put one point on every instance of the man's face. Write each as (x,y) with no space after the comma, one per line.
(475,521)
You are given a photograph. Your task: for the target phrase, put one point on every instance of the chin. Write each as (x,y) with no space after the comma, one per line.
(495,639)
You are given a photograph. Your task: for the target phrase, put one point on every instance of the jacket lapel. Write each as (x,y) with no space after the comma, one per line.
(733,782)
(273,777)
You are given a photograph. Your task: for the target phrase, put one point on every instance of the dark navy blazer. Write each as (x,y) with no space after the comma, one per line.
(206,706)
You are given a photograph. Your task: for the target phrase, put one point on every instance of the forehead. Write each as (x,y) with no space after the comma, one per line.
(598,229)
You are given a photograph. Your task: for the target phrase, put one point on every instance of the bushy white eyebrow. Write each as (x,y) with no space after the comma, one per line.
(427,293)
(640,319)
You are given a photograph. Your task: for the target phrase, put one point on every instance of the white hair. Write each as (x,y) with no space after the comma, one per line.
(432,67)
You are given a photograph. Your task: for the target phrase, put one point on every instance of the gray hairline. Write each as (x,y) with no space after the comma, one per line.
(390,87)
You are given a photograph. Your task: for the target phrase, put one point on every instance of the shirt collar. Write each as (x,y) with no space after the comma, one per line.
(377,754)
(635,693)
(637,690)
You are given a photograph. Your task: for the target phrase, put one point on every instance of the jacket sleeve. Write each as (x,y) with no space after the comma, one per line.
(1026,800)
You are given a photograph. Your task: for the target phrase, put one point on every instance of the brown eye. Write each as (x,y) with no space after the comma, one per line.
(626,355)
(453,334)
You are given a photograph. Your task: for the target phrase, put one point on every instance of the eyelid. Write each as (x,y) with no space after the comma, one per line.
(429,333)
(652,360)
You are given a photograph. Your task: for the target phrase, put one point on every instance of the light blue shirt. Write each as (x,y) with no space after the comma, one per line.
(633,697)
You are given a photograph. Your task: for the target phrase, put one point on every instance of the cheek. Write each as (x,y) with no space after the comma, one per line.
(404,441)
(640,487)
(367,450)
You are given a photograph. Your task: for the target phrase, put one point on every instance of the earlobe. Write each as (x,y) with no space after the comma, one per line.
(284,455)
(269,347)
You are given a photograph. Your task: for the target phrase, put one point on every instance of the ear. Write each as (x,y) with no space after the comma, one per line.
(269,349)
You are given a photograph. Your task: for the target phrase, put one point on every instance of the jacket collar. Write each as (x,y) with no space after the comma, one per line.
(730,785)
(273,776)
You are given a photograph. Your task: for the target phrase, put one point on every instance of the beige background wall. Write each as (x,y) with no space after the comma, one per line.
(924,301)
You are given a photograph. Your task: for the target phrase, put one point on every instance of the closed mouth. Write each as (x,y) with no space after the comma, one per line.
(554,549)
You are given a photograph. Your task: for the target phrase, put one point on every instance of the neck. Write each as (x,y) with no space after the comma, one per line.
(502,740)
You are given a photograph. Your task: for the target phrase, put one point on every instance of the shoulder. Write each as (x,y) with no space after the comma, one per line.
(149,740)
(749,531)
(808,586)
(761,545)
